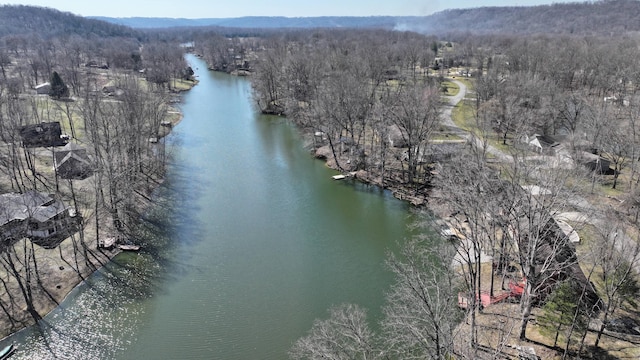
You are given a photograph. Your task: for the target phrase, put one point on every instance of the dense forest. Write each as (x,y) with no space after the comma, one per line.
(261,22)
(513,129)
(605,17)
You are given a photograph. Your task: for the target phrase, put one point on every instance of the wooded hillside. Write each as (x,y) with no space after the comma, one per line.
(49,23)
(607,17)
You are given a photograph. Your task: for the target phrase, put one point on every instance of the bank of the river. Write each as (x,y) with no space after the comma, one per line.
(256,241)
(62,269)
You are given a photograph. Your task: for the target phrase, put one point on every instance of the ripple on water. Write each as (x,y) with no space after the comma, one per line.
(97,322)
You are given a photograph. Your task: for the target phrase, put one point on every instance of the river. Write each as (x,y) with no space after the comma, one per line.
(251,240)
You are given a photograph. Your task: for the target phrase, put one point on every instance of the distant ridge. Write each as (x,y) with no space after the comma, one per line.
(604,17)
(268,22)
(47,23)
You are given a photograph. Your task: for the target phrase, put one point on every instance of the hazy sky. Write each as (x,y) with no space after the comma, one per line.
(290,8)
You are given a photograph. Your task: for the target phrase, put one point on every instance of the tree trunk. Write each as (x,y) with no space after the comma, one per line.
(525,306)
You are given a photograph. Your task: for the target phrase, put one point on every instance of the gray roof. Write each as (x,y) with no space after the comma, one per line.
(31,204)
(44,213)
(71,150)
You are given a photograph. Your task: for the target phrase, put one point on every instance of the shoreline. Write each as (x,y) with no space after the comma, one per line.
(99,257)
(67,267)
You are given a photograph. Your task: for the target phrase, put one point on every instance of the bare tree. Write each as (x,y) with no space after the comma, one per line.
(544,253)
(414,109)
(419,317)
(344,335)
(268,81)
(616,145)
(617,257)
(464,183)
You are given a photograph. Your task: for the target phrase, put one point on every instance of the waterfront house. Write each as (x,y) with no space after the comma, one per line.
(37,216)
(72,162)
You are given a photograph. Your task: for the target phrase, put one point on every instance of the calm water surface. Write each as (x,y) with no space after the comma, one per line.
(250,242)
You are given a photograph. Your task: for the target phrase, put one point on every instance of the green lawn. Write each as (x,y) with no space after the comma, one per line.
(464,115)
(449,88)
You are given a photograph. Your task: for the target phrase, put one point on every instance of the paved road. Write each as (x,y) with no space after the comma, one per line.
(447,120)
(448,108)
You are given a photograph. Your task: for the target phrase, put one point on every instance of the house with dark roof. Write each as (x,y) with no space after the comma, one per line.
(43,89)
(72,162)
(37,216)
(593,162)
(44,134)
(543,144)
(534,231)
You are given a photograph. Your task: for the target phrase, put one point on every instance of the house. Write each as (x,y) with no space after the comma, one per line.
(44,134)
(43,89)
(13,216)
(37,216)
(542,144)
(593,162)
(555,259)
(72,162)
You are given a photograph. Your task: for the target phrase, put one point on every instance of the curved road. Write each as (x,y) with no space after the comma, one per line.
(469,137)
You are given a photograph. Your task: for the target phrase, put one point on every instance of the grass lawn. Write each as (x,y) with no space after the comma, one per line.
(449,88)
(182,85)
(464,116)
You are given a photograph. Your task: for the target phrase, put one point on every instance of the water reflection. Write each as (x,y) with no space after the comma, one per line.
(100,318)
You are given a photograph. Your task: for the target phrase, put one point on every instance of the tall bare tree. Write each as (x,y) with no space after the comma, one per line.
(414,109)
(617,257)
(419,316)
(344,335)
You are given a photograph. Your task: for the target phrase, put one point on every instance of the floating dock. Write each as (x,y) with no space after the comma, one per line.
(125,247)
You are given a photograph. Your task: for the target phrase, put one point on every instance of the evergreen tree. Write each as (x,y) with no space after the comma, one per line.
(58,88)
(563,315)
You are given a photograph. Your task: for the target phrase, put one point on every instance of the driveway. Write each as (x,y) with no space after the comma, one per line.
(447,120)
